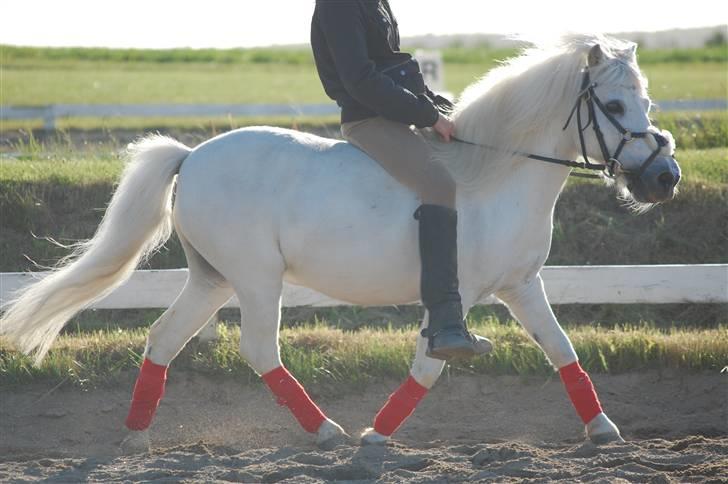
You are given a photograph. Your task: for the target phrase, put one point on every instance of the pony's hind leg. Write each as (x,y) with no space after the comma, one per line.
(260,302)
(529,305)
(204,293)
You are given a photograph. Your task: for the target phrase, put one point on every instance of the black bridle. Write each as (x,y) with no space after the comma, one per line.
(611,161)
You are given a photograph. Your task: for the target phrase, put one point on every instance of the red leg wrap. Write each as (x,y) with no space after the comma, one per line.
(290,393)
(581,391)
(399,406)
(148,392)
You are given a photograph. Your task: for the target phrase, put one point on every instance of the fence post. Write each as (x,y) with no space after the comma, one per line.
(49,118)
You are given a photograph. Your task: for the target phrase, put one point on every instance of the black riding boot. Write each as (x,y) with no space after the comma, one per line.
(448,337)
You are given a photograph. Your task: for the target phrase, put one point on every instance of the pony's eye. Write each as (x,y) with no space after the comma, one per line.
(615,107)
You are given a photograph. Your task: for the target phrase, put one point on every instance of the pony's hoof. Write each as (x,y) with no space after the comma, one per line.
(372,437)
(601,430)
(136,442)
(330,434)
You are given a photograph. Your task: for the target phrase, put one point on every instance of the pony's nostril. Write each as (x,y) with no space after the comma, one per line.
(667,179)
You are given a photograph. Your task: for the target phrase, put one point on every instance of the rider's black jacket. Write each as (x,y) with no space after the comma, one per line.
(356,48)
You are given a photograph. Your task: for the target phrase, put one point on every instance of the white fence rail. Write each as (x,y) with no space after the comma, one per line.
(50,114)
(653,284)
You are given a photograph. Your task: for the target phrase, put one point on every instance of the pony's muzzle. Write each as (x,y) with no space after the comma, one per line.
(667,180)
(658,183)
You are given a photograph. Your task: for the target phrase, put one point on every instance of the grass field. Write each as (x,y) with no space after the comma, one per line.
(321,354)
(98,76)
(482,54)
(37,76)
(113,83)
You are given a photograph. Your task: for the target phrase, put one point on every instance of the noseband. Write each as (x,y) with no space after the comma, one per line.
(590,98)
(611,162)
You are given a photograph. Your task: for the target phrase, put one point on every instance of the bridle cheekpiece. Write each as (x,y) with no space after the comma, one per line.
(611,161)
(612,166)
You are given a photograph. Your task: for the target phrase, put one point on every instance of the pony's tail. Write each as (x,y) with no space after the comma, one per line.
(137,222)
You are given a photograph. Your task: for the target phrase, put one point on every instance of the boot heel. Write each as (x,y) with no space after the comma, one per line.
(457,343)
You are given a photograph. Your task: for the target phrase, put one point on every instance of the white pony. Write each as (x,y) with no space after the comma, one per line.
(258,206)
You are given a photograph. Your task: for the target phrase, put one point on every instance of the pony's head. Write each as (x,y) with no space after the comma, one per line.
(616,104)
(522,105)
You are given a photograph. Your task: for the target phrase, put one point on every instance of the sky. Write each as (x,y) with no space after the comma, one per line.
(247,23)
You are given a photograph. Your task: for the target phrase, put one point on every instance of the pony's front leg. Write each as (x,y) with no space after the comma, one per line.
(403,401)
(529,305)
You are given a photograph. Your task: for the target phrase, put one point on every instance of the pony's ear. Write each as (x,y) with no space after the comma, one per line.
(630,53)
(595,56)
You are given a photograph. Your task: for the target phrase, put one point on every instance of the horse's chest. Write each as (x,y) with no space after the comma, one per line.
(502,251)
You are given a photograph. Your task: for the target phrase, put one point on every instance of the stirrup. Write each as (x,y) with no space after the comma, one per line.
(455,342)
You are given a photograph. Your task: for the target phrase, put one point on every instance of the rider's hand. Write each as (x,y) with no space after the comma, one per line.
(444,127)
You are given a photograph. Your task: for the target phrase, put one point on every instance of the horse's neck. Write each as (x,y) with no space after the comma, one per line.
(507,223)
(521,184)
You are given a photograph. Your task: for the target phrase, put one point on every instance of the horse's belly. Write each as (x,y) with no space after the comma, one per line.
(359,289)
(369,262)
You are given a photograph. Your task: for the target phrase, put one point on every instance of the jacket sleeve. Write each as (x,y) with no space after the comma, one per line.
(441,103)
(344,28)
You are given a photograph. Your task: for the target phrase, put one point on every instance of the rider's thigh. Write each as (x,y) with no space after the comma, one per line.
(405,155)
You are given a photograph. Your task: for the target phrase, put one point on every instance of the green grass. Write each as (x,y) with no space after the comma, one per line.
(454,54)
(114,83)
(61,170)
(705,167)
(716,54)
(273,84)
(102,76)
(93,83)
(320,354)
(210,125)
(695,129)
(38,76)
(591,227)
(687,81)
(67,55)
(666,81)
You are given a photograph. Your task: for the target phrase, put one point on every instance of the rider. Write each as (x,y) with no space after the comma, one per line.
(381,93)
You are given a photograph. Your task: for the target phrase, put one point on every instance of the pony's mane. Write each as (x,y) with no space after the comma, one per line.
(511,106)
